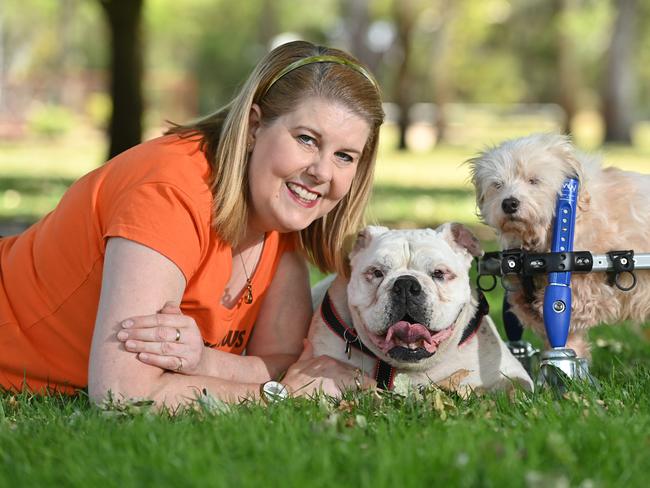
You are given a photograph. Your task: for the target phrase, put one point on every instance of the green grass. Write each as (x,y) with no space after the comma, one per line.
(34,174)
(587,438)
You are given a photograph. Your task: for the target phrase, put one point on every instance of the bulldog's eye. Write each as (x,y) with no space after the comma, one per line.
(438,274)
(372,274)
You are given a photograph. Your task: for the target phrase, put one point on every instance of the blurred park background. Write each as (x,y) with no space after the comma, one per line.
(83,79)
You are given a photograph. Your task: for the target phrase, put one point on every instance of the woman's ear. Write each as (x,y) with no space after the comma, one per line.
(254,122)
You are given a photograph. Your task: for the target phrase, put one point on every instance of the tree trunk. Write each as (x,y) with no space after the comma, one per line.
(566,64)
(356,16)
(4,64)
(405,21)
(268,24)
(124,20)
(440,67)
(619,90)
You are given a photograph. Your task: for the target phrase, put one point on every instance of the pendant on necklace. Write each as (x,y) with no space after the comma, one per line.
(248,294)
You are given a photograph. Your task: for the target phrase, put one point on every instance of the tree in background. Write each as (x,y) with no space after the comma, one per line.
(124,21)
(441,73)
(405,18)
(355,15)
(482,60)
(620,83)
(567,67)
(267,22)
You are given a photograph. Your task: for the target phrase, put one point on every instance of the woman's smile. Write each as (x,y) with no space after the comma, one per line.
(302,163)
(303,195)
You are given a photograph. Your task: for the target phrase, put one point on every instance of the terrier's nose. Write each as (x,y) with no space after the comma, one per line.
(406,286)
(510,205)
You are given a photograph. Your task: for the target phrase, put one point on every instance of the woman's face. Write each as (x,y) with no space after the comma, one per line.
(302,164)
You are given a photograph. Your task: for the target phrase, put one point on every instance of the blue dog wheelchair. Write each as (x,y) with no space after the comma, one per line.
(559,362)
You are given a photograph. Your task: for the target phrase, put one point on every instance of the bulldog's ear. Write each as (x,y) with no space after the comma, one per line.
(365,237)
(461,237)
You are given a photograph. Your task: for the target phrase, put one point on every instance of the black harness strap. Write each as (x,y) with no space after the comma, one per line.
(384,372)
(476,321)
(384,375)
(336,325)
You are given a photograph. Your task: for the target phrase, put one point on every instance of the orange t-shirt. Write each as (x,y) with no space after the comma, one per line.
(156,194)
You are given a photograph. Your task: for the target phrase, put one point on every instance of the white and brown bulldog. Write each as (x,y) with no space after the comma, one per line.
(408,315)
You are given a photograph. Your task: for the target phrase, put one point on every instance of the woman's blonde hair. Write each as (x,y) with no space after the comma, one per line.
(225,135)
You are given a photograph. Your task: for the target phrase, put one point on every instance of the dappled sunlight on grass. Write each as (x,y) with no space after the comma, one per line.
(416,188)
(426,188)
(35,173)
(401,206)
(69,157)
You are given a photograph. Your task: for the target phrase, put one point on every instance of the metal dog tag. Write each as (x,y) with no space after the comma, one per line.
(348,349)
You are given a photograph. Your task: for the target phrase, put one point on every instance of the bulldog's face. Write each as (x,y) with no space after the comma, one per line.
(407,289)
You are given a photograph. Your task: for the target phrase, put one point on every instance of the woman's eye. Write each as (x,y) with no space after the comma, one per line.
(305,139)
(344,157)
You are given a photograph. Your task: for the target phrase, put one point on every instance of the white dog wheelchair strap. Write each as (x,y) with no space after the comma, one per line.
(385,373)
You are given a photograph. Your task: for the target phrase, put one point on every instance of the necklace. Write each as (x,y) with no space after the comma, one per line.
(248,294)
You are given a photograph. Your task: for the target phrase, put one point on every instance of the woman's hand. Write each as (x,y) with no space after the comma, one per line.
(168,340)
(324,374)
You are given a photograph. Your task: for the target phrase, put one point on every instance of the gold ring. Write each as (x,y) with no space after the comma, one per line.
(178,335)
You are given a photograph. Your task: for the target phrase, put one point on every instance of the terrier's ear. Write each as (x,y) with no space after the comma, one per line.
(461,238)
(365,237)
(474,168)
(563,148)
(572,158)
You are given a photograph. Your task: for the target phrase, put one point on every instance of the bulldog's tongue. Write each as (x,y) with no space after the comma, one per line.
(407,332)
(414,335)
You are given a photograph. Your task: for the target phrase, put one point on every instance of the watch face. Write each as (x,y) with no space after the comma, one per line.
(275,391)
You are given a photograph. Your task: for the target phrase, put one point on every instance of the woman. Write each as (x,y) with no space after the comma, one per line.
(148,277)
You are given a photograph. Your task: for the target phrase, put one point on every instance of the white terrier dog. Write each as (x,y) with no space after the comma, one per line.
(517,184)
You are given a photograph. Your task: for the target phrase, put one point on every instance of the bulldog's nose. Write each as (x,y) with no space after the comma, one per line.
(510,205)
(406,286)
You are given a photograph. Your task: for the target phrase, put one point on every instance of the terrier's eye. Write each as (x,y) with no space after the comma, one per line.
(497,185)
(533,181)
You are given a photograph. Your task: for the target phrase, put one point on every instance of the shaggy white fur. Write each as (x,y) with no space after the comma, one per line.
(613,214)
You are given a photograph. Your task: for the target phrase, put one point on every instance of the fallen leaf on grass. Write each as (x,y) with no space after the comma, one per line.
(452,383)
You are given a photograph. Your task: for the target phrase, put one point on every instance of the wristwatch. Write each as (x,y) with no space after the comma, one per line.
(272,391)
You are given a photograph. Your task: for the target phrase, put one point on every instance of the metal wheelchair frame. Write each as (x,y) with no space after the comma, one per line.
(559,362)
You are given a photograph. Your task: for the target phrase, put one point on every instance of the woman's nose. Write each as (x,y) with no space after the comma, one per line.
(320,169)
